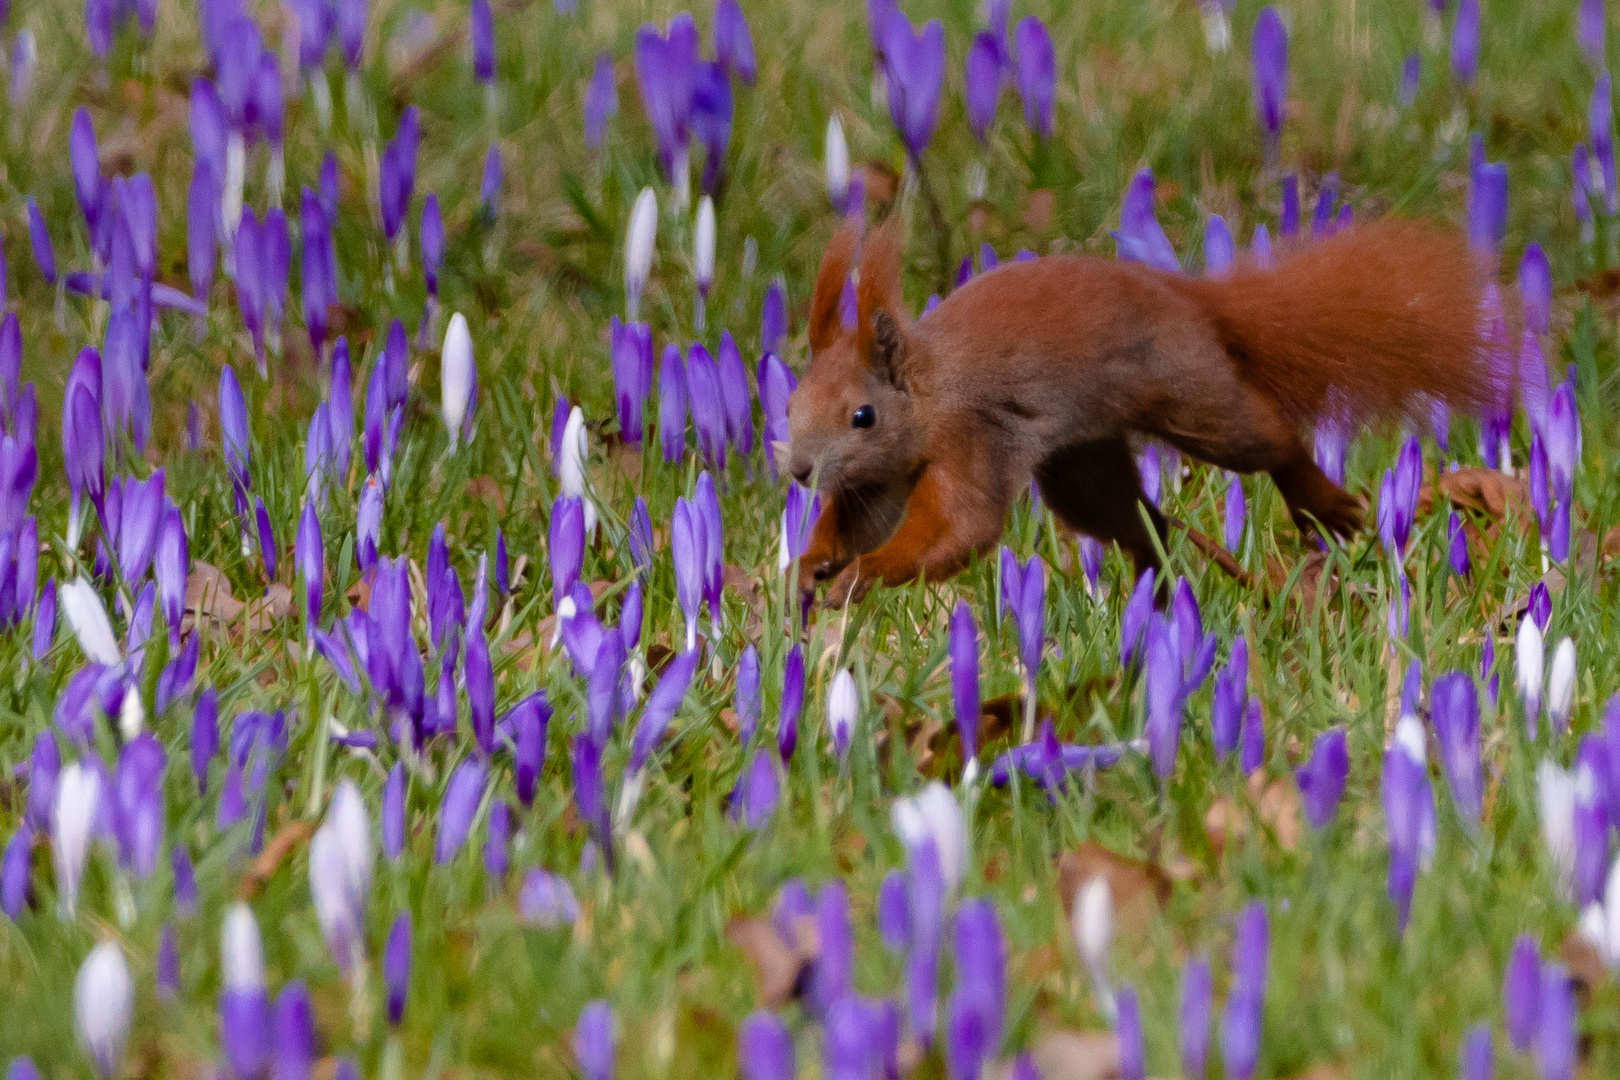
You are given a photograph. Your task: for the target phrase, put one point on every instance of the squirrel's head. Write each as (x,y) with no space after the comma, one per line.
(852,417)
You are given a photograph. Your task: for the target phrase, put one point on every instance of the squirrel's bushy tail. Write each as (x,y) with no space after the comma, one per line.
(1374,321)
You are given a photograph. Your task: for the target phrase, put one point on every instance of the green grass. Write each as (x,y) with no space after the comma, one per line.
(491,997)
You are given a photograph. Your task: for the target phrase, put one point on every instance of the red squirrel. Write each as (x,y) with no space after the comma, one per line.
(921,433)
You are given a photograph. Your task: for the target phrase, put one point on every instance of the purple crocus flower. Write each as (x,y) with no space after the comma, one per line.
(601,100)
(596,1041)
(924,914)
(745,699)
(708,408)
(915,65)
(482,29)
(1465,42)
(1237,513)
(665,72)
(138,805)
(1036,74)
(589,795)
(1023,595)
(1535,288)
(393,812)
(86,165)
(773,322)
(295,1051)
(734,393)
(1245,1004)
(1408,812)
(1164,696)
(309,555)
(1591,31)
(787,728)
(546,901)
(1455,712)
(754,798)
(1321,781)
(39,238)
(565,548)
(1135,617)
(1269,54)
(1521,993)
(776,386)
(660,708)
(244,1003)
(1411,73)
(14,871)
(497,838)
(981,963)
(489,188)
(397,966)
(673,399)
(712,109)
(431,238)
(985,73)
(964,657)
(1197,994)
(733,41)
(1140,237)
(765,1048)
(1476,1056)
(461,798)
(1557,1041)
(1220,251)
(1128,1030)
(267,538)
(1487,206)
(833,976)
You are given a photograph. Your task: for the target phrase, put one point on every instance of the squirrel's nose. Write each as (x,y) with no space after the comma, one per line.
(801,473)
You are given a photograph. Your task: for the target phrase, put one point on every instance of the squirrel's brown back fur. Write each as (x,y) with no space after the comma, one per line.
(1369,321)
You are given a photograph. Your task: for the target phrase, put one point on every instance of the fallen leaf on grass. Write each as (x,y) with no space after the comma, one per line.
(1076,1055)
(484,487)
(208,593)
(1584,963)
(778,967)
(1138,888)
(1276,805)
(264,867)
(1484,490)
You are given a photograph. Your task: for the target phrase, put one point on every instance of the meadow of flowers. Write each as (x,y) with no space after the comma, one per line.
(404,671)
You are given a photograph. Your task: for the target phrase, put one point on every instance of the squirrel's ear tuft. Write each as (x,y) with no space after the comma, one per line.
(887,356)
(826,322)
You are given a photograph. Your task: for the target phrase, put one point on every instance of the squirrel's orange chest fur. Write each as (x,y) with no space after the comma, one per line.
(1050,368)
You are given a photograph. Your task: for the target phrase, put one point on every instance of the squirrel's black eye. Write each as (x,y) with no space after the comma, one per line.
(865,417)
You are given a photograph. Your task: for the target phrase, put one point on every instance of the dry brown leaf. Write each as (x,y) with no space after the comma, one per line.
(1077,1055)
(274,606)
(1276,805)
(484,487)
(208,593)
(1584,962)
(881,181)
(1484,490)
(778,967)
(1039,210)
(1139,889)
(359,594)
(263,868)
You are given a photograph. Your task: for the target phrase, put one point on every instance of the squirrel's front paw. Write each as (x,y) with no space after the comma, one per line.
(848,587)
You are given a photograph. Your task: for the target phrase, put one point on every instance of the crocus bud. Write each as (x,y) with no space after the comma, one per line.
(638,250)
(1197,992)
(1557,792)
(837,163)
(842,707)
(103,1005)
(1269,53)
(393,813)
(1465,42)
(489,189)
(596,1041)
(933,815)
(964,656)
(457,376)
(73,826)
(915,64)
(1561,685)
(1521,993)
(310,557)
(765,1048)
(1128,1030)
(571,467)
(1036,74)
(787,729)
(1455,712)
(1557,1040)
(432,241)
(340,862)
(1528,663)
(1321,781)
(601,100)
(461,798)
(546,901)
(244,1003)
(397,966)
(1093,928)
(703,246)
(483,41)
(87,616)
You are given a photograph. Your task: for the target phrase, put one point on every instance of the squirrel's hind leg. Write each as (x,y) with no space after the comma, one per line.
(1314,501)
(1094,488)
